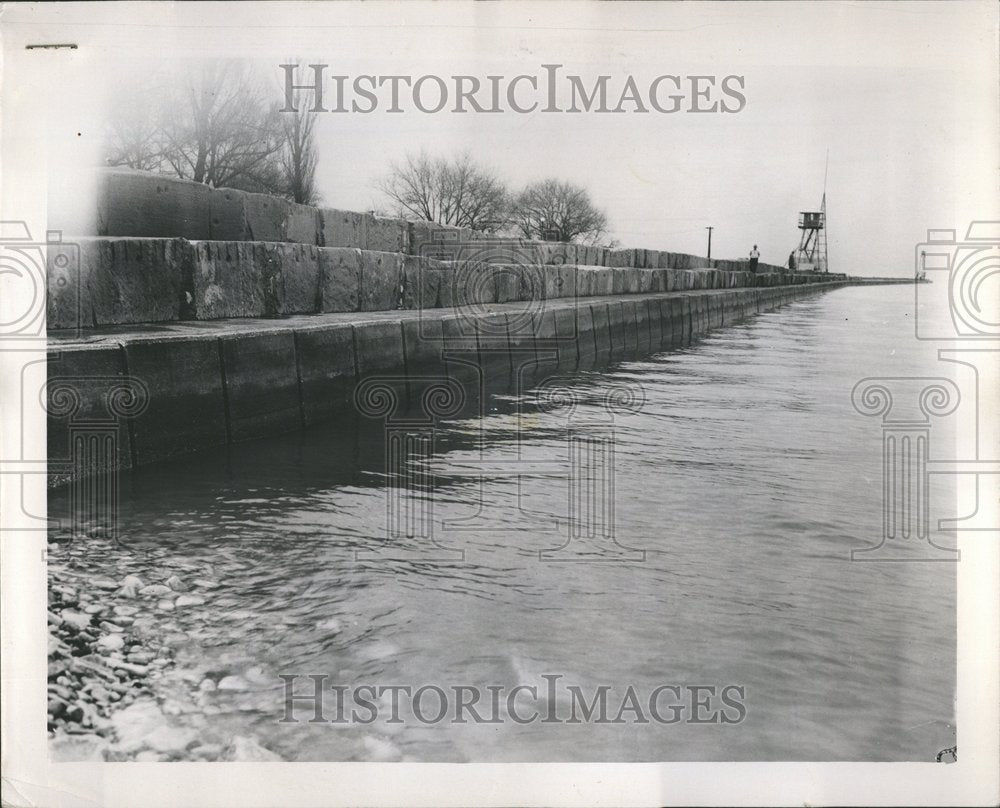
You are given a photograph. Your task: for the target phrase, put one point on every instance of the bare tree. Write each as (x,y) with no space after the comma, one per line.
(298,156)
(222,133)
(448,191)
(216,126)
(558,211)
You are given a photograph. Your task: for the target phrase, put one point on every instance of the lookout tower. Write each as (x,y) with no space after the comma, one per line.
(811,254)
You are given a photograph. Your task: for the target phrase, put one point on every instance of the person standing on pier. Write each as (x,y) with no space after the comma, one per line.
(791,261)
(754,258)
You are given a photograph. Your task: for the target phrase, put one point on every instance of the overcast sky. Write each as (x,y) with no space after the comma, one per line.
(902,95)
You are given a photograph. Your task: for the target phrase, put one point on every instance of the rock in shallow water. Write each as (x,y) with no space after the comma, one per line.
(189,600)
(171,740)
(244,749)
(75,619)
(233,683)
(111,642)
(381,750)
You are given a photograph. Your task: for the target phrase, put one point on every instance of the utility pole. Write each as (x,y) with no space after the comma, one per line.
(710,229)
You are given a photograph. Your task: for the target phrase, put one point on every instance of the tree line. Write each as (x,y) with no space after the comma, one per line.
(458,191)
(221,125)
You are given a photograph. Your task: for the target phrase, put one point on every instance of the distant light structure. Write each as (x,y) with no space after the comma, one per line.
(811,255)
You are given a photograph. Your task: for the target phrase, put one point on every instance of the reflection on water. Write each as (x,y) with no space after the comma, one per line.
(744,480)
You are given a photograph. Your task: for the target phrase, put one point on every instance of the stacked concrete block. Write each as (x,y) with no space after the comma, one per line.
(297,266)
(112,281)
(340,279)
(233,279)
(134,203)
(439,241)
(381,280)
(387,235)
(228,219)
(342,228)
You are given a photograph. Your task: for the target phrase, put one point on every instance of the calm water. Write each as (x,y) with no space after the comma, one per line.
(747,478)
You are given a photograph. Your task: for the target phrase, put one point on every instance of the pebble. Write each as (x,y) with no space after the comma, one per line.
(208,751)
(75,619)
(111,642)
(189,600)
(134,581)
(165,605)
(380,750)
(155,590)
(233,683)
(94,608)
(205,584)
(175,583)
(126,611)
(331,624)
(248,750)
(102,583)
(206,685)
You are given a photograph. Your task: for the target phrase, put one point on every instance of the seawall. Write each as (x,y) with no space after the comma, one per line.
(122,398)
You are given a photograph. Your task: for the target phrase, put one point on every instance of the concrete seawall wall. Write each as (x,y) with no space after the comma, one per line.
(172,390)
(95,282)
(135,204)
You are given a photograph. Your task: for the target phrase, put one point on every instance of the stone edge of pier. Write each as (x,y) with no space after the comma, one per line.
(177,389)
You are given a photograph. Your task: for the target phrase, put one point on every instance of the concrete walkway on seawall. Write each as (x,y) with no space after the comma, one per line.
(176,388)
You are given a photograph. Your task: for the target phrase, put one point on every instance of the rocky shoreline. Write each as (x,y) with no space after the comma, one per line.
(110,641)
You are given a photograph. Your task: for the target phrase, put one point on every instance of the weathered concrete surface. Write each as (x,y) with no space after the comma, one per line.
(388,235)
(261,384)
(381,281)
(135,280)
(84,435)
(187,411)
(340,279)
(227,210)
(119,281)
(230,279)
(343,228)
(141,204)
(297,265)
(327,369)
(379,348)
(133,203)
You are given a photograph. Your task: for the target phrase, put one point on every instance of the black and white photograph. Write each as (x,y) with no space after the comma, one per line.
(511,403)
